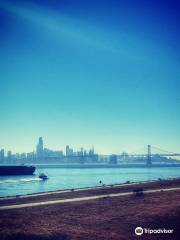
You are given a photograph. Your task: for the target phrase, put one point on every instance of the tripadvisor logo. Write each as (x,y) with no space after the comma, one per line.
(139,231)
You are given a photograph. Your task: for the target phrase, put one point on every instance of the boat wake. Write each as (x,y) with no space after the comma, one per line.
(21,180)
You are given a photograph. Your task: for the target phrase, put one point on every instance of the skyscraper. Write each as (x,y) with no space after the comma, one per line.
(40,149)
(67,150)
(2,155)
(9,156)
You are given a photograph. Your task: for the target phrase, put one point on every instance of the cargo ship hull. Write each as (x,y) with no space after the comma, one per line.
(16,170)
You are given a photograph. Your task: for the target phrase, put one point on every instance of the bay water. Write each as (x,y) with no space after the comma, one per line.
(70,178)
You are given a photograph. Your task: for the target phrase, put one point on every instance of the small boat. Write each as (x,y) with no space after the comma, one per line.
(43,176)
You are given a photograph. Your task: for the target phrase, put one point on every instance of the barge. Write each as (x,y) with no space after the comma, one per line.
(16,170)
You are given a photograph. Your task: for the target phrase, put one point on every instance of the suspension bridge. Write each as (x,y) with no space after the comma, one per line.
(149,154)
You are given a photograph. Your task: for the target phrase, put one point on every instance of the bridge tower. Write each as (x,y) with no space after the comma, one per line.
(149,161)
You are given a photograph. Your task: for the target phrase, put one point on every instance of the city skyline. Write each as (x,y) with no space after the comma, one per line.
(90,73)
(40,148)
(40,151)
(42,154)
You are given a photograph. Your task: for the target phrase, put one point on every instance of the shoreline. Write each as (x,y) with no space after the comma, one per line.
(67,190)
(99,190)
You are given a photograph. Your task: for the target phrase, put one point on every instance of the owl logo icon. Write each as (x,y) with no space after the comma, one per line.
(139,231)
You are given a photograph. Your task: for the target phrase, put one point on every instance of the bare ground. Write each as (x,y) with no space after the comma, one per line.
(102,219)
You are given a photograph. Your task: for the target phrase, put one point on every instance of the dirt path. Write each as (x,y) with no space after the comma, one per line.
(16,206)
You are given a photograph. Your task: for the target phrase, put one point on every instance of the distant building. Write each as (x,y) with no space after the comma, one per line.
(91,151)
(40,149)
(9,156)
(69,151)
(2,156)
(17,156)
(23,155)
(81,152)
(52,154)
(31,156)
(113,159)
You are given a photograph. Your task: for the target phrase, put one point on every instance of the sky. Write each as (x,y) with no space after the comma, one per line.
(83,73)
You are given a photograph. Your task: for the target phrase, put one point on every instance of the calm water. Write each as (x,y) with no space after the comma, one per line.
(63,178)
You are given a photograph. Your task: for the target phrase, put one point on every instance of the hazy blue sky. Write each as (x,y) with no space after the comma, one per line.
(90,72)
